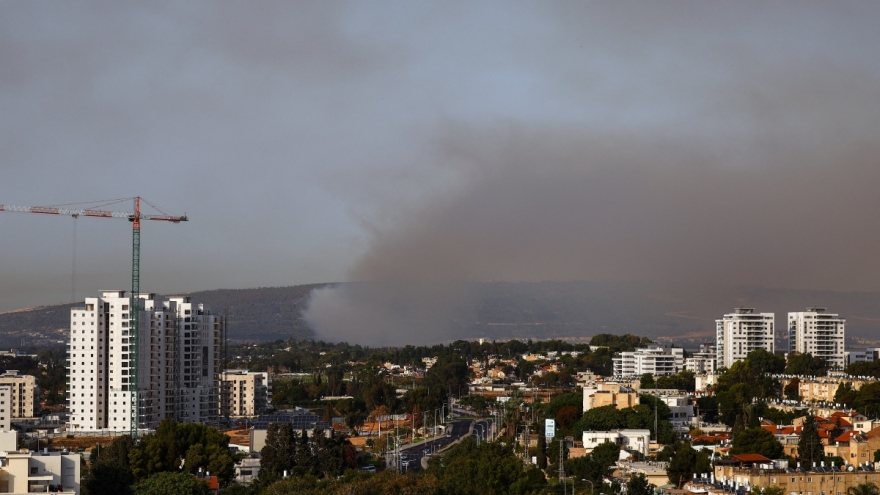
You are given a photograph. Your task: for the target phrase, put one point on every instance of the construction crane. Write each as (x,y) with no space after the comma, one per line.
(134,297)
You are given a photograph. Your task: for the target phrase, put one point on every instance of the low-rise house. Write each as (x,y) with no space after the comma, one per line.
(854,447)
(28,472)
(627,439)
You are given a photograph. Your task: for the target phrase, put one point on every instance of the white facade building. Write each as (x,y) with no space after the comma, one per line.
(654,360)
(681,411)
(741,332)
(818,333)
(39,472)
(861,355)
(178,352)
(704,362)
(633,440)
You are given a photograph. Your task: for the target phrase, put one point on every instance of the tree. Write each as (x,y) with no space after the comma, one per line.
(638,485)
(769,490)
(490,468)
(805,365)
(764,362)
(109,472)
(162,450)
(109,478)
(684,463)
(449,373)
(845,394)
(566,416)
(166,483)
(757,441)
(707,407)
(867,400)
(792,390)
(279,452)
(683,380)
(542,452)
(866,488)
(810,449)
(606,454)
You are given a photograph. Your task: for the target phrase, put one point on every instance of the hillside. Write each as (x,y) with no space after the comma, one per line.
(495,310)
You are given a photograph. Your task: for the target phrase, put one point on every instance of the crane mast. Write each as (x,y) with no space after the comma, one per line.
(134,297)
(135,315)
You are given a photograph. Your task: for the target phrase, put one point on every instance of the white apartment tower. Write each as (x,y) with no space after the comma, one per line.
(654,360)
(819,333)
(741,332)
(178,347)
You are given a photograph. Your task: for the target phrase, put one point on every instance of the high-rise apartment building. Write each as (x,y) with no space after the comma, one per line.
(243,393)
(22,393)
(741,332)
(818,333)
(178,346)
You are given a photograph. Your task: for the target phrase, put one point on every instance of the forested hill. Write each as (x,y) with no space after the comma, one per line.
(501,310)
(254,315)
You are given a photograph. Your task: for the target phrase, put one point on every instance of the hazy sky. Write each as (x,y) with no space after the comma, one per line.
(329,141)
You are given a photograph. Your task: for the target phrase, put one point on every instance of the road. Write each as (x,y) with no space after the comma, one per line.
(411,456)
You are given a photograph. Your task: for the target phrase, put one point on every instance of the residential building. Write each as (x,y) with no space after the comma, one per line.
(175,374)
(820,389)
(299,419)
(705,382)
(654,471)
(861,355)
(243,393)
(741,332)
(654,360)
(23,386)
(6,407)
(247,470)
(703,362)
(631,440)
(818,333)
(681,411)
(609,394)
(29,472)
(752,471)
(854,447)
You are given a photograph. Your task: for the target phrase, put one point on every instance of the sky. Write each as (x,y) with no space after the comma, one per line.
(423,142)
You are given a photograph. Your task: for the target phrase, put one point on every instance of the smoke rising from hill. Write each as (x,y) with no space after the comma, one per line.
(737,156)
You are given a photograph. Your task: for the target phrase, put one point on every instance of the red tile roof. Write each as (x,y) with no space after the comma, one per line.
(213,482)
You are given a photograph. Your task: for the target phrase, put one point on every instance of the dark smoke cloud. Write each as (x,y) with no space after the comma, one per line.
(779,192)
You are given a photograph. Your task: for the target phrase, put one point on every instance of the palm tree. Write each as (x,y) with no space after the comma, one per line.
(866,488)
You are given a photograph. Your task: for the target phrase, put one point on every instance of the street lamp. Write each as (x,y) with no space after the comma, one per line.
(591,485)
